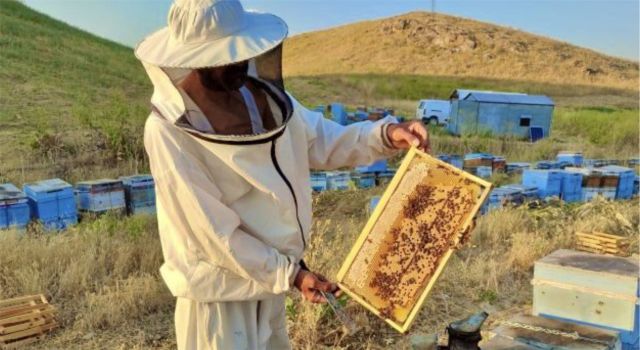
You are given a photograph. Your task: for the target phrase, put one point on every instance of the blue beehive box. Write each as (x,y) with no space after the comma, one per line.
(361,116)
(517,168)
(376,167)
(592,184)
(570,158)
(636,185)
(14,209)
(590,193)
(484,171)
(338,113)
(444,157)
(385,177)
(140,194)
(453,159)
(338,180)
(456,160)
(319,109)
(472,161)
(483,156)
(363,181)
(98,196)
(501,196)
(572,197)
(571,189)
(528,192)
(596,163)
(52,202)
(548,182)
(319,181)
(626,177)
(550,164)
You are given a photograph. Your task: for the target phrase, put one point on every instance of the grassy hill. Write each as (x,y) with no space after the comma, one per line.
(73,104)
(421,43)
(65,94)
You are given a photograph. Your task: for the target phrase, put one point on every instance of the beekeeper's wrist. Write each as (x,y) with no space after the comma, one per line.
(294,275)
(384,135)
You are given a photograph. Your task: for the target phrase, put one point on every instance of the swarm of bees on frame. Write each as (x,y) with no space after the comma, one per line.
(429,225)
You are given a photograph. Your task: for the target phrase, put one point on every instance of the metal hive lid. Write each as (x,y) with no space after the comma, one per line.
(9,191)
(502,97)
(48,185)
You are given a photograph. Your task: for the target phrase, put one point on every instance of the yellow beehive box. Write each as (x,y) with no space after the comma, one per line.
(423,215)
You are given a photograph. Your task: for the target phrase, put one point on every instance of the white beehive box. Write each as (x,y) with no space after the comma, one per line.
(590,288)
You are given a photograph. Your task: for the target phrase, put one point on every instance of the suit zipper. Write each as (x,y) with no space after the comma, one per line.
(274,159)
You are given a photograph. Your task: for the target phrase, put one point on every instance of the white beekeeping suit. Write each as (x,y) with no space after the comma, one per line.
(234,211)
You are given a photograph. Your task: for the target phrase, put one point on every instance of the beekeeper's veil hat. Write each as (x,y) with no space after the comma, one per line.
(212,33)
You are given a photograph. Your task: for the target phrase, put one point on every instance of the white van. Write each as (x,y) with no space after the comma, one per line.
(433,111)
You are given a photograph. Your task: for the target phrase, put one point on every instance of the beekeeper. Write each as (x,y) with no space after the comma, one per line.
(230,152)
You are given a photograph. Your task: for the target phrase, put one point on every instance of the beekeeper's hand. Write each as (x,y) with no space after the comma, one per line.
(407,134)
(310,285)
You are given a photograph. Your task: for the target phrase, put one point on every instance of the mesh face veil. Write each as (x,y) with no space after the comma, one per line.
(268,67)
(264,70)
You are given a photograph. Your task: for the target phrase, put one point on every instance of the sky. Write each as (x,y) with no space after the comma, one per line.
(608,26)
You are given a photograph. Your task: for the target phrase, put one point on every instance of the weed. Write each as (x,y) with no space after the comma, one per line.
(290,309)
(488,295)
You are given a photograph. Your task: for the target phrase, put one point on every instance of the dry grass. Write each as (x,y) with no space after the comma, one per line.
(103,273)
(423,43)
(492,273)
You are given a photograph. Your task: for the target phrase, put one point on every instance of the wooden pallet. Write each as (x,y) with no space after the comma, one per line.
(25,320)
(424,214)
(602,243)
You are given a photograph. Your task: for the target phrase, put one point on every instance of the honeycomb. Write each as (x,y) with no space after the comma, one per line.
(423,219)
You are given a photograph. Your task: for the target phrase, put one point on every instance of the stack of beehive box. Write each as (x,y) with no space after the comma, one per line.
(99,196)
(139,194)
(570,158)
(602,243)
(480,164)
(25,320)
(499,165)
(52,203)
(571,186)
(14,210)
(548,182)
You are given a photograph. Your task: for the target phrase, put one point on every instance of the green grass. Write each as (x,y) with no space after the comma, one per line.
(58,80)
(359,87)
(602,127)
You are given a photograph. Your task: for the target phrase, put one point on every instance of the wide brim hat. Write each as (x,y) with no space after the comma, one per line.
(211,33)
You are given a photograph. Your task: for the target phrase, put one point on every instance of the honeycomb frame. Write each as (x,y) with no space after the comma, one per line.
(400,227)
